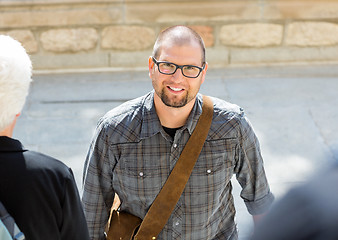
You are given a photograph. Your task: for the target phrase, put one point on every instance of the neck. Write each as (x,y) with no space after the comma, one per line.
(171,117)
(8,131)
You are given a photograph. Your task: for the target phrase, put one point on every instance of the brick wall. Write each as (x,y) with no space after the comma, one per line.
(82,34)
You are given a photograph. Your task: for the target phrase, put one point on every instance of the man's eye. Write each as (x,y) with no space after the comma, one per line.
(189,67)
(168,65)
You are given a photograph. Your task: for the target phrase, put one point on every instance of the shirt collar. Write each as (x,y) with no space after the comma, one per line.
(151,124)
(10,145)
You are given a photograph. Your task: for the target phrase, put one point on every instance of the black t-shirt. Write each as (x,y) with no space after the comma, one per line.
(171,131)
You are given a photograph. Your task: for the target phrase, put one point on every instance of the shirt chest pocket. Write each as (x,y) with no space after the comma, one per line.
(214,168)
(139,172)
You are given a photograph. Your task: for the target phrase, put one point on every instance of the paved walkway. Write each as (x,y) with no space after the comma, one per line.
(293,110)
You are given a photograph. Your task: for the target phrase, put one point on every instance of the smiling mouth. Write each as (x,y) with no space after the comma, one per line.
(175,89)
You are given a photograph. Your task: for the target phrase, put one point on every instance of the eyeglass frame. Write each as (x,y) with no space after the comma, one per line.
(178,66)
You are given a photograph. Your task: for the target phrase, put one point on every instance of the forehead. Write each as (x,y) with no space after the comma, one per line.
(181,53)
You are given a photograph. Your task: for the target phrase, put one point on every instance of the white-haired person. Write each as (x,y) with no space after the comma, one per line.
(38,191)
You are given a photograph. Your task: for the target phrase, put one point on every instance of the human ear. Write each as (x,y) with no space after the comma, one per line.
(151,65)
(204,71)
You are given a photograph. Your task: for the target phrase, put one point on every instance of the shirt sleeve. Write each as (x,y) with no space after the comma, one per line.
(250,172)
(98,193)
(74,224)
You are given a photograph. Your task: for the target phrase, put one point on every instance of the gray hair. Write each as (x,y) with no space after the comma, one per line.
(15,78)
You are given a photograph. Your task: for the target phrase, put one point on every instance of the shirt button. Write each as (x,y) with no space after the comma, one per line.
(209,171)
(175,145)
(177,223)
(141,174)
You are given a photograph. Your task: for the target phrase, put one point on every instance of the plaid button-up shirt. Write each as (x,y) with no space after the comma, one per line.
(132,155)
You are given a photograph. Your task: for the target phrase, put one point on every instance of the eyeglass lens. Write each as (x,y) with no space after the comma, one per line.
(170,68)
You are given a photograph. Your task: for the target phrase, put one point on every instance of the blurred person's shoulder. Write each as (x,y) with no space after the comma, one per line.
(307,210)
(39,160)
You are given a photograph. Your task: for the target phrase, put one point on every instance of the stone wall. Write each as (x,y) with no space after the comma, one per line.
(83,34)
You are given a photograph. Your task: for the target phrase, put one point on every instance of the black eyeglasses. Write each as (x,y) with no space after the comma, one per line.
(169,68)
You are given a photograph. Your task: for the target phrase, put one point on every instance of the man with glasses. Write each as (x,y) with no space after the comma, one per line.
(137,144)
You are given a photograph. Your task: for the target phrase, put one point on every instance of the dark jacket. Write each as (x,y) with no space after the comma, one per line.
(40,193)
(306,212)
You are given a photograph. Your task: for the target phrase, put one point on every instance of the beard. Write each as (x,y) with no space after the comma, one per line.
(173,102)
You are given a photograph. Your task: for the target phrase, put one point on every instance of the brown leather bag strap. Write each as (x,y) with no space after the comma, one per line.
(166,200)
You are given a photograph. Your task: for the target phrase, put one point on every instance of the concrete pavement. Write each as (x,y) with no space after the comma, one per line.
(292,108)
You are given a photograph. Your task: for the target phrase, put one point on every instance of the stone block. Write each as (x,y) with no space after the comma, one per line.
(251,34)
(206,32)
(305,9)
(10,2)
(130,59)
(69,40)
(130,38)
(59,17)
(191,12)
(306,34)
(282,55)
(217,57)
(187,12)
(69,61)
(26,38)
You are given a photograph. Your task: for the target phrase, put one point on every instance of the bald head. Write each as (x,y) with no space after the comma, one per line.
(178,36)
